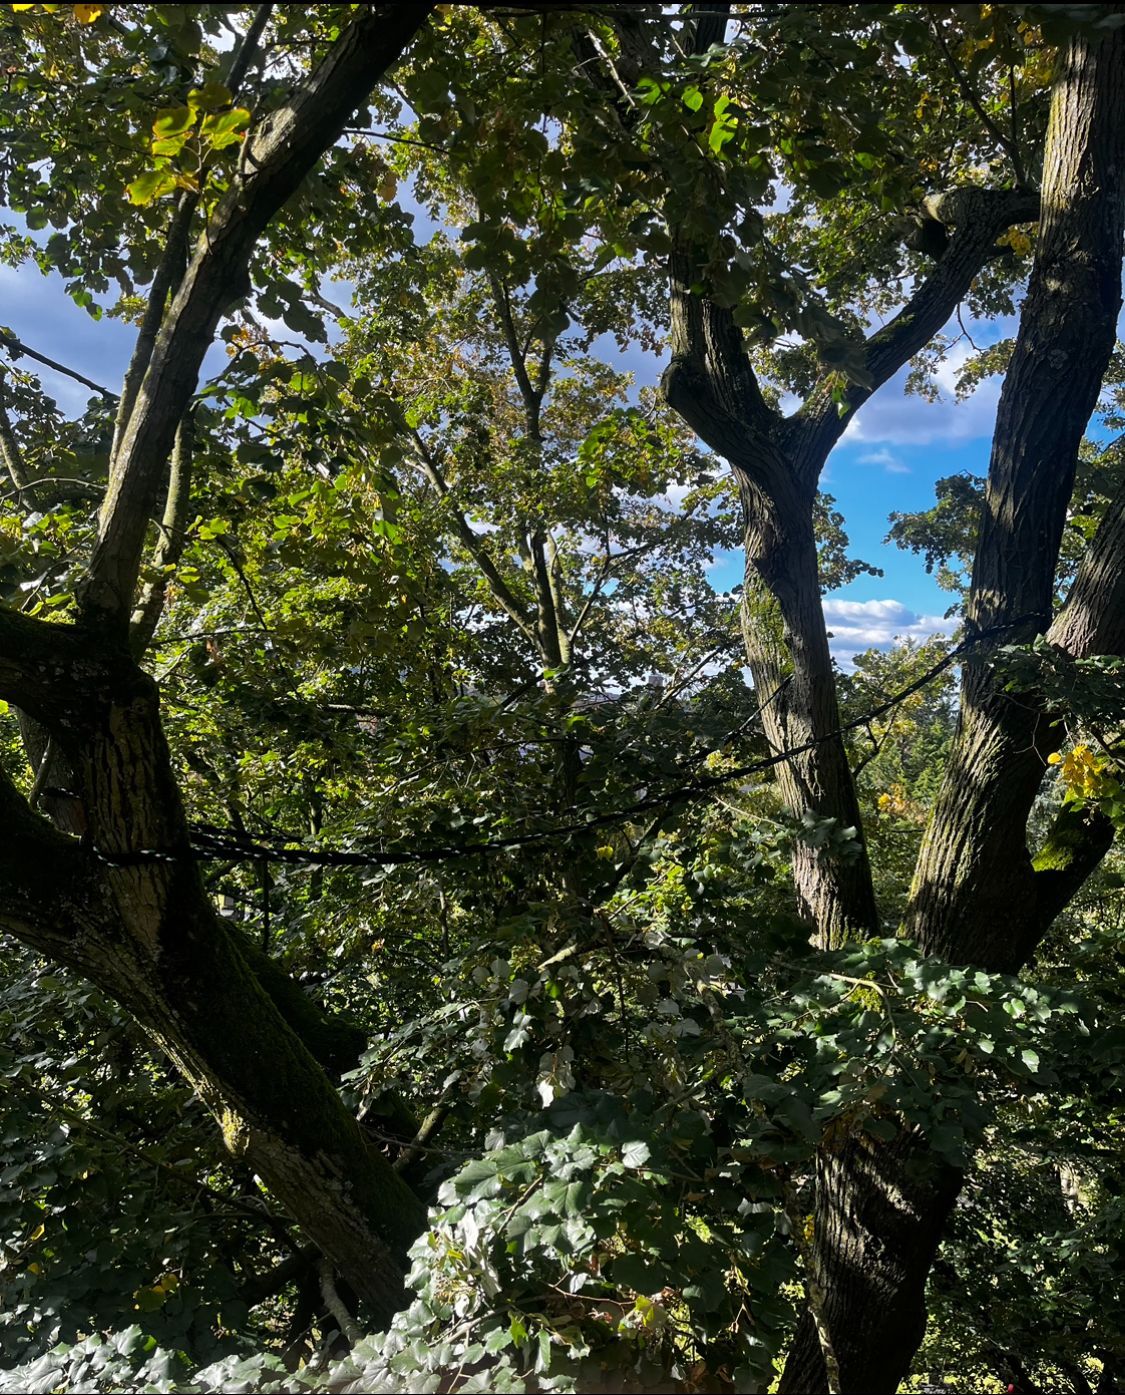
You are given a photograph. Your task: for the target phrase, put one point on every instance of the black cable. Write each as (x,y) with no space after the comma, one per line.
(211,843)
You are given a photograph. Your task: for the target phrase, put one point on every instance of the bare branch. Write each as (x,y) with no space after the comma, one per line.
(168,276)
(349,1329)
(531,393)
(248,49)
(16,347)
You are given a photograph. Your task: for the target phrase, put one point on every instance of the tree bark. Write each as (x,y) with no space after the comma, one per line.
(975,889)
(777,462)
(145,931)
(979,895)
(126,905)
(880,1212)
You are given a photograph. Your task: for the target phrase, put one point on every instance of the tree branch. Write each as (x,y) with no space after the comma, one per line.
(169,274)
(1006,143)
(277,156)
(349,1329)
(1093,619)
(710,382)
(173,534)
(170,271)
(10,452)
(247,50)
(16,347)
(52,672)
(978,217)
(501,591)
(531,393)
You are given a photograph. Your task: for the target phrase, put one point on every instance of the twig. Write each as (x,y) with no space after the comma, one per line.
(335,1304)
(1009,146)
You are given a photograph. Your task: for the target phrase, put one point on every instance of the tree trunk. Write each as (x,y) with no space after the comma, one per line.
(787,649)
(145,931)
(880,1211)
(126,906)
(979,896)
(974,895)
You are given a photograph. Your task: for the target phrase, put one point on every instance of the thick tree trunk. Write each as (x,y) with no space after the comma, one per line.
(145,931)
(880,1211)
(712,386)
(975,891)
(979,896)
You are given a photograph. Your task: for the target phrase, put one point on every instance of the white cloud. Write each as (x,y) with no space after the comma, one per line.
(859,625)
(674,496)
(893,418)
(887,459)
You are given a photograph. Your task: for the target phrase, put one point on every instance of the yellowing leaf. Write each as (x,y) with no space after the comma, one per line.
(212,96)
(388,187)
(86,14)
(219,131)
(18,8)
(148,1300)
(150,186)
(171,120)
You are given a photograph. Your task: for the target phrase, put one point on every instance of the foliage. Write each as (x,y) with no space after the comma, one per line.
(458,712)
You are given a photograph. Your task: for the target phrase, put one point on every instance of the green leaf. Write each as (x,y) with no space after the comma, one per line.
(146,188)
(224,129)
(635,1154)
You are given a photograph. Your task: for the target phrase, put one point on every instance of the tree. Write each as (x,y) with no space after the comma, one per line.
(978,896)
(146,931)
(631,1045)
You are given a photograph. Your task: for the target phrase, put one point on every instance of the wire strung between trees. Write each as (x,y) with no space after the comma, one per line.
(211,843)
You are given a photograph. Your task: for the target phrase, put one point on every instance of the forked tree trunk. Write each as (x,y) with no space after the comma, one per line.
(979,896)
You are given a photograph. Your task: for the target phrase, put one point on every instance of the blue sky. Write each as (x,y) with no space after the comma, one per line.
(889,459)
(892,454)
